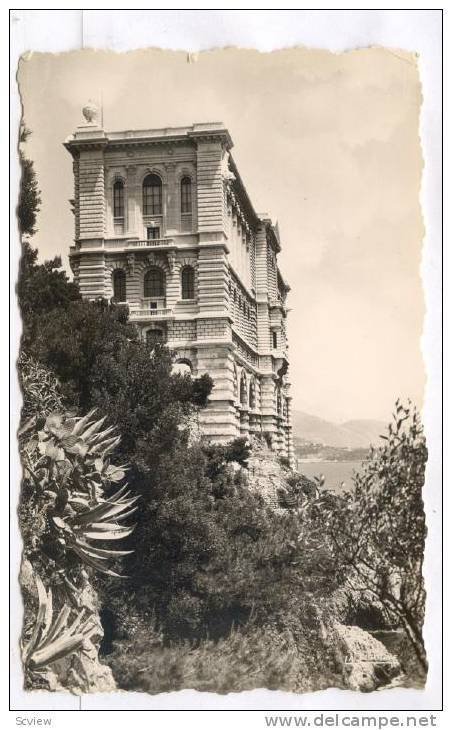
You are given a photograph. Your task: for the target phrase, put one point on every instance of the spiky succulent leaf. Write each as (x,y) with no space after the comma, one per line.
(58,649)
(115,533)
(95,563)
(103,553)
(40,618)
(59,625)
(82,422)
(52,640)
(92,429)
(102,435)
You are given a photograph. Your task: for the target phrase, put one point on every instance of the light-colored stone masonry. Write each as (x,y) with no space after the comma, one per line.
(233,327)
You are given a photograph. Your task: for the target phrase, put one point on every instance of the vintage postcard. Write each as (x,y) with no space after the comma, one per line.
(222,434)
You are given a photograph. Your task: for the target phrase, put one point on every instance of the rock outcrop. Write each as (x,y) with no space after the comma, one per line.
(266,475)
(366,663)
(79,672)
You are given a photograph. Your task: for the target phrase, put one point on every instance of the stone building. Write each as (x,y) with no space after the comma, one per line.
(163,222)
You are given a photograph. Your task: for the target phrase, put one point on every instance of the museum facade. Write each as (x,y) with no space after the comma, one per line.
(163,223)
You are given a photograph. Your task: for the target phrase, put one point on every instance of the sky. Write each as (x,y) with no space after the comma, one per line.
(327,144)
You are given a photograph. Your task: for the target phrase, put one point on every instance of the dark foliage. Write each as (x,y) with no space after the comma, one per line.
(378,532)
(29,194)
(209,556)
(41,288)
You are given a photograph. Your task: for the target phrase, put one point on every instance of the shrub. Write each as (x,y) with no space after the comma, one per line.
(40,289)
(67,501)
(68,517)
(41,392)
(382,555)
(245,659)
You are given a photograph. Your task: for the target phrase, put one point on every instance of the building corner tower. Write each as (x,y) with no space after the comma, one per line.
(163,222)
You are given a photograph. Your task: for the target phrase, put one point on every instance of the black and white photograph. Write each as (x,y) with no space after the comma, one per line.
(222,372)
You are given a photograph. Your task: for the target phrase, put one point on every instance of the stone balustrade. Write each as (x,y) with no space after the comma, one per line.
(122,244)
(148,313)
(148,243)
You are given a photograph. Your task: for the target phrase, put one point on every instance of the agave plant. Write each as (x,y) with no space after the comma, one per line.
(73,453)
(68,438)
(53,639)
(69,466)
(99,523)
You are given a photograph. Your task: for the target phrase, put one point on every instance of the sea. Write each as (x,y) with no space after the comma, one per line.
(338,474)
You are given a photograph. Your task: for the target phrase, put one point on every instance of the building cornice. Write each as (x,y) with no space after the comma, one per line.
(90,136)
(272,234)
(238,188)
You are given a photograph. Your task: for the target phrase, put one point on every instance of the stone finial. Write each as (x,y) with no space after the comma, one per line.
(91,112)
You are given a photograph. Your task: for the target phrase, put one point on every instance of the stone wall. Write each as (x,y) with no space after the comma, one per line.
(90,192)
(228,325)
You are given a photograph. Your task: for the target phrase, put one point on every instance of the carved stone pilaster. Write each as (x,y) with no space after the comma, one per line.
(171,197)
(132,199)
(171,258)
(131,263)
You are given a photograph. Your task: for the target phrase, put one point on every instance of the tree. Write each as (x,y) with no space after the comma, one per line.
(207,558)
(102,362)
(41,288)
(379,534)
(209,553)
(29,195)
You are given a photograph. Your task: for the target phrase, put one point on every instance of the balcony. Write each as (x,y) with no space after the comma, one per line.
(146,313)
(122,245)
(132,243)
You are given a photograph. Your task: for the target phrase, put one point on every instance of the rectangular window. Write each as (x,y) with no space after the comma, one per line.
(275,340)
(185,195)
(153,233)
(188,282)
(119,285)
(152,199)
(154,283)
(118,199)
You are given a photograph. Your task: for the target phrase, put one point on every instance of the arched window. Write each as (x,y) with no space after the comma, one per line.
(252,400)
(152,195)
(154,337)
(278,402)
(185,195)
(243,390)
(154,283)
(284,407)
(182,367)
(119,285)
(188,282)
(118,199)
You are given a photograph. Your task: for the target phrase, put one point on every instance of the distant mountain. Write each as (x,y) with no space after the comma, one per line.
(358,433)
